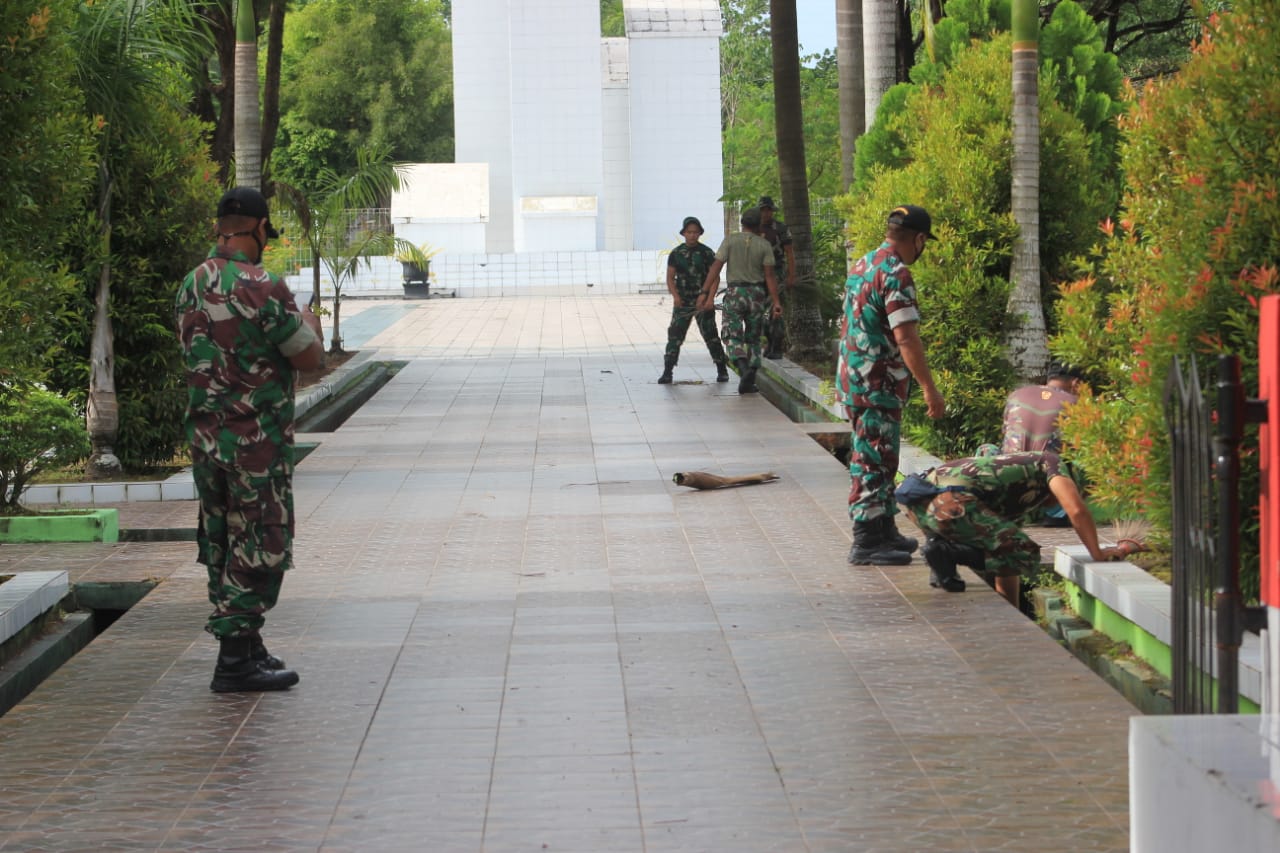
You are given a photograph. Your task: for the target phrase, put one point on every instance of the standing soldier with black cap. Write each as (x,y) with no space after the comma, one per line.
(687,267)
(880,351)
(242,338)
(784,267)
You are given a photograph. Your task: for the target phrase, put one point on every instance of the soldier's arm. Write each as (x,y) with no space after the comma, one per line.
(313,356)
(771,282)
(671,285)
(709,287)
(907,336)
(1073,504)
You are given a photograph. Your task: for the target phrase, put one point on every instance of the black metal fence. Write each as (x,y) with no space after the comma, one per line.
(1209,616)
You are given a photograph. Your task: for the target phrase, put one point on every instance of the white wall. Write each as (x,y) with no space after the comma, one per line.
(482,106)
(555,109)
(675,137)
(615,201)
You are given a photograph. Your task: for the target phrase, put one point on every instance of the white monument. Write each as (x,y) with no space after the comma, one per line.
(577,157)
(592,144)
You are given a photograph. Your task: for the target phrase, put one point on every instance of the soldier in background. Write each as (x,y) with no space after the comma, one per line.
(751,289)
(687,267)
(784,268)
(242,338)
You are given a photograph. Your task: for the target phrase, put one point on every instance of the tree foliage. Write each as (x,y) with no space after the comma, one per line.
(162,206)
(46,173)
(41,430)
(1181,272)
(364,72)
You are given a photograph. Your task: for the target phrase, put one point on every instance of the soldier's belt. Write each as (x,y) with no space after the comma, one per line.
(746,284)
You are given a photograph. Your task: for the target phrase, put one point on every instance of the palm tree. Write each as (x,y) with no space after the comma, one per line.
(803,317)
(248,119)
(127,49)
(329,219)
(1028,342)
(880,52)
(849,58)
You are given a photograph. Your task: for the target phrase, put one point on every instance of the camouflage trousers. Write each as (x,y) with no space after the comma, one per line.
(681,318)
(963,519)
(245,540)
(746,308)
(875,436)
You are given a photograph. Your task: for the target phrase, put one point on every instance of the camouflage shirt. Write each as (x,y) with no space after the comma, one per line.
(1011,485)
(239,326)
(879,296)
(1031,418)
(691,264)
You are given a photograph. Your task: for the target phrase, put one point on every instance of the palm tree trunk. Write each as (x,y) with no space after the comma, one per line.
(102,417)
(271,84)
(1028,342)
(880,54)
(248,130)
(849,59)
(803,318)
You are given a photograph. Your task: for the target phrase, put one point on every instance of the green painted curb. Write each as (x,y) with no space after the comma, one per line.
(1145,645)
(97,525)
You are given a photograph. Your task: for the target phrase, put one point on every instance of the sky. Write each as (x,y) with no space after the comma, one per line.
(816,23)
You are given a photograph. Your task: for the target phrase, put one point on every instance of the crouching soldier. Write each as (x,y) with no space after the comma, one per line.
(971,512)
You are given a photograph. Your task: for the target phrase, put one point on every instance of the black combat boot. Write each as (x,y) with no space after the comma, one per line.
(667,366)
(722,372)
(942,558)
(894,539)
(870,548)
(258,651)
(238,672)
(746,377)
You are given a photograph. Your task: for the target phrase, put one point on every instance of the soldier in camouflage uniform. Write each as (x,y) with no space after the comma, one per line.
(784,267)
(880,351)
(979,524)
(242,337)
(687,267)
(748,261)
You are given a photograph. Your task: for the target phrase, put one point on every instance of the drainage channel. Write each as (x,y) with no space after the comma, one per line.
(333,412)
(51,639)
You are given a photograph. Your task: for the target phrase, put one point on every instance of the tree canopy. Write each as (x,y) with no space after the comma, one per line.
(364,72)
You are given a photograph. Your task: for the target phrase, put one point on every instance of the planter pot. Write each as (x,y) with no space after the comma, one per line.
(98,525)
(417,291)
(414,274)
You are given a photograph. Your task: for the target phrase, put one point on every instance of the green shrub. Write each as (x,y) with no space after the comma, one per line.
(46,173)
(162,214)
(41,430)
(1180,274)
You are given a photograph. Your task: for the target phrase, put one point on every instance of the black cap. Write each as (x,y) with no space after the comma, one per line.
(246,201)
(913,217)
(691,220)
(766,203)
(1062,370)
(751,217)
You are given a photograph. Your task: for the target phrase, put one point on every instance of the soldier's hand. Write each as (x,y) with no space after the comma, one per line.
(676,301)
(937,407)
(777,310)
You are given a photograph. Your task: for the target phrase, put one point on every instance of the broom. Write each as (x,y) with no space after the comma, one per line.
(703,480)
(1130,534)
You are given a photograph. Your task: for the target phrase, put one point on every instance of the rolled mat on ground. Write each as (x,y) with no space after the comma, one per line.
(703,480)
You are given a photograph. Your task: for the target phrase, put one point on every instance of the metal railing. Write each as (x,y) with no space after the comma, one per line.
(1209,616)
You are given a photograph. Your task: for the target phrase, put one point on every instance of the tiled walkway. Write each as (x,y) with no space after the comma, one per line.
(515,633)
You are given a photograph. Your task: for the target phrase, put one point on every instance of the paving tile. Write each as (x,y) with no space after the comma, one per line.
(516,633)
